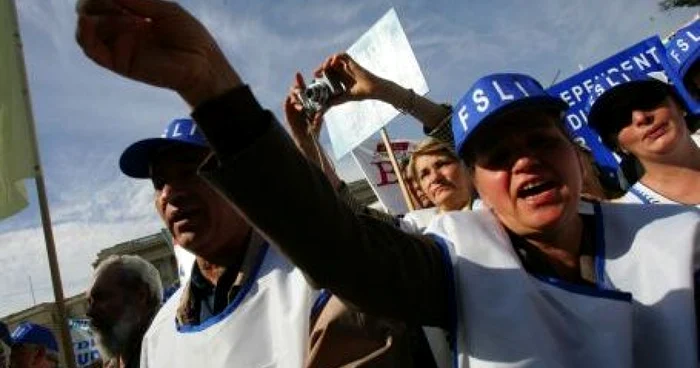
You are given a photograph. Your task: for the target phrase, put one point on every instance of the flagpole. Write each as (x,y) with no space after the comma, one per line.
(43,203)
(397,169)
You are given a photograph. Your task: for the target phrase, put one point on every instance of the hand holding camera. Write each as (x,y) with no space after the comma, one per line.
(340,79)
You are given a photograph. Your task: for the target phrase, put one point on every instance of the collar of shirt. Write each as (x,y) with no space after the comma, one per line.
(535,262)
(202,300)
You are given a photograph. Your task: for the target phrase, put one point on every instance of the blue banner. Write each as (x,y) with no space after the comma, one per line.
(682,50)
(644,57)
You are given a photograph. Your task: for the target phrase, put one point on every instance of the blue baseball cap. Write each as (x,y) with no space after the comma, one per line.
(136,159)
(493,95)
(32,333)
(683,48)
(5,334)
(607,91)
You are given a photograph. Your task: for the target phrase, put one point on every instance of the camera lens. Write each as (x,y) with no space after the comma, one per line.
(310,93)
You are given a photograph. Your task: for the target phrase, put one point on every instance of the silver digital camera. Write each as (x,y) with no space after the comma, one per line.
(318,92)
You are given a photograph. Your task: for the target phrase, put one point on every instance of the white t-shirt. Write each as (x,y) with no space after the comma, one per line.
(642,194)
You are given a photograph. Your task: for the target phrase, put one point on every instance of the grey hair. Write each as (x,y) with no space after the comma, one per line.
(137,269)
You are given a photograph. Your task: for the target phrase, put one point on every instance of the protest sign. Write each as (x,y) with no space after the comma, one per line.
(373,159)
(383,50)
(84,347)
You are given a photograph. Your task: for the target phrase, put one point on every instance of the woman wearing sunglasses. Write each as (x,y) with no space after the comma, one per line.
(641,118)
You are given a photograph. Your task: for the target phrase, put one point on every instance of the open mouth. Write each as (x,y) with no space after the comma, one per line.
(441,188)
(656,132)
(534,188)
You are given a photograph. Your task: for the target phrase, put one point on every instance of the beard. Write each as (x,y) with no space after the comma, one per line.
(115,340)
(4,355)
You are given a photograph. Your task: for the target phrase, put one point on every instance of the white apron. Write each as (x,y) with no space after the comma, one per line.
(506,317)
(267,325)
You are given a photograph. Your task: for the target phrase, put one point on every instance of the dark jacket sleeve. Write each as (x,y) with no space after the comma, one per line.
(370,263)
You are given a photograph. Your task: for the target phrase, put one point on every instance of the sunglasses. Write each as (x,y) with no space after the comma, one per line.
(645,98)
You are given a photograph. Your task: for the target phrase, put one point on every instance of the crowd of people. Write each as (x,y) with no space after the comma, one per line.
(515,256)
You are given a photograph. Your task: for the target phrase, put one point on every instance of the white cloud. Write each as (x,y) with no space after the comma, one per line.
(77,244)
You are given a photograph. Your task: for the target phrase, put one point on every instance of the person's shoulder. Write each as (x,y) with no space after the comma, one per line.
(464,221)
(417,221)
(628,197)
(645,213)
(167,313)
(421,213)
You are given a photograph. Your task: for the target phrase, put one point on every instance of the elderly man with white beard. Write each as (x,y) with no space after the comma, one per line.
(124,297)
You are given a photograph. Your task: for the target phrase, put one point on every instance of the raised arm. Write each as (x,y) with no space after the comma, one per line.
(257,167)
(305,133)
(362,84)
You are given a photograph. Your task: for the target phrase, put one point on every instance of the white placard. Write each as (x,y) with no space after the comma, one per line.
(374,161)
(383,50)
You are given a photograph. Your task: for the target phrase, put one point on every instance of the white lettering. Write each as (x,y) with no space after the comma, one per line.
(652,52)
(578,92)
(482,102)
(194,129)
(176,131)
(574,121)
(626,65)
(675,56)
(581,142)
(611,82)
(463,116)
(599,90)
(504,96)
(693,36)
(641,62)
(613,70)
(682,44)
(588,84)
(567,98)
(521,88)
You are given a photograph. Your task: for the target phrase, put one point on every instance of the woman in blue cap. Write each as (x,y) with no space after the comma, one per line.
(537,279)
(643,119)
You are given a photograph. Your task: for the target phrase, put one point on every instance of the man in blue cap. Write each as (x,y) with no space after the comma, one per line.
(537,279)
(5,346)
(241,291)
(34,346)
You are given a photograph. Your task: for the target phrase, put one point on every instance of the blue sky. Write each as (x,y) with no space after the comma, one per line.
(86,116)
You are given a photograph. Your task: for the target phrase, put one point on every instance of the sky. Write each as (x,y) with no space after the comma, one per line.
(85,116)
